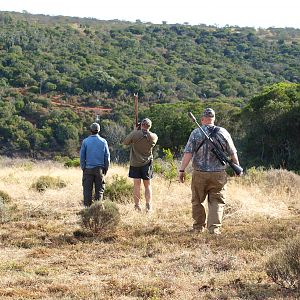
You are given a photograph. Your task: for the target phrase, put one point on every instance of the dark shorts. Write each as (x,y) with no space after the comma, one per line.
(144,172)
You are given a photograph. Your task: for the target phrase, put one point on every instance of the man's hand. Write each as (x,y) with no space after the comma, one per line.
(239,175)
(138,126)
(181,176)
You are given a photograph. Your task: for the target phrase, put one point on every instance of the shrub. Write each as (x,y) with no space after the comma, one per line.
(100,217)
(45,182)
(119,190)
(168,167)
(255,175)
(284,266)
(61,159)
(75,162)
(7,208)
(2,211)
(4,197)
(158,166)
(170,171)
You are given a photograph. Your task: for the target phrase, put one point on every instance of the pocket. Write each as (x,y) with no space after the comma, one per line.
(222,178)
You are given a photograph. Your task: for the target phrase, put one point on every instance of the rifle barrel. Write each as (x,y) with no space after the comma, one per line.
(136,110)
(194,120)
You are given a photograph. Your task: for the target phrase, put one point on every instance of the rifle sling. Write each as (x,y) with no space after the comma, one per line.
(211,135)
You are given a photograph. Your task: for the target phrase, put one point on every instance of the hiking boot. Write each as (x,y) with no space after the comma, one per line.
(148,207)
(137,207)
(196,230)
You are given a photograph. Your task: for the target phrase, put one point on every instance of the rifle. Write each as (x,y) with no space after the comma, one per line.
(137,124)
(221,156)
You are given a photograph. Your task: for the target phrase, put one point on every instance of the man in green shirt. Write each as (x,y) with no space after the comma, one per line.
(141,161)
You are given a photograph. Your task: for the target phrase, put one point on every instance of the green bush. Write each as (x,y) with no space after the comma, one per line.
(284,266)
(158,167)
(167,166)
(119,190)
(100,217)
(170,171)
(60,158)
(75,162)
(48,182)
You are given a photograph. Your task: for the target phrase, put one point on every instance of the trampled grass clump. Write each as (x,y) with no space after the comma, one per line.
(5,197)
(100,217)
(48,182)
(119,190)
(5,200)
(284,266)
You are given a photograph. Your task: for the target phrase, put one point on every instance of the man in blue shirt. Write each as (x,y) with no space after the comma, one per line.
(94,162)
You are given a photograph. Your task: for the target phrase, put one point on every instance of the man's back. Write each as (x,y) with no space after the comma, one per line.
(94,152)
(142,142)
(203,158)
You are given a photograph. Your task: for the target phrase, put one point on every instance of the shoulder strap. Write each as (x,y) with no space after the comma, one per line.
(145,135)
(212,134)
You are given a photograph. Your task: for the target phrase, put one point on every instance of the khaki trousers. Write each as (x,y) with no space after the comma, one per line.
(212,185)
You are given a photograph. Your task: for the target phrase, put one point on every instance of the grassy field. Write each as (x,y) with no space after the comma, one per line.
(150,256)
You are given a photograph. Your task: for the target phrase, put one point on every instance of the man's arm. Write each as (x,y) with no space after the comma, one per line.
(155,139)
(82,156)
(187,156)
(234,158)
(128,139)
(106,157)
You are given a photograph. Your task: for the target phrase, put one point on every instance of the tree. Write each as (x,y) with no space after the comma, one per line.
(272,127)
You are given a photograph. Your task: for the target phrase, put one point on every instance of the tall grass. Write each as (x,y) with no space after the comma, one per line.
(149,256)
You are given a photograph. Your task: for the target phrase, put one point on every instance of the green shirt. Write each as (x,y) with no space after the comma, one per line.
(142,142)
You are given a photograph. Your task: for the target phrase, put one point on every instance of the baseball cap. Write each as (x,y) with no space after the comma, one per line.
(95,127)
(209,112)
(147,122)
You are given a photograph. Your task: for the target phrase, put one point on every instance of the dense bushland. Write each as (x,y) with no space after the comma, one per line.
(57,74)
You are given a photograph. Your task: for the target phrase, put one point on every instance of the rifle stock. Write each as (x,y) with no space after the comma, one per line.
(218,153)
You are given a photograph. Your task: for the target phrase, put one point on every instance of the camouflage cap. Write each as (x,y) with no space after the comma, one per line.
(95,127)
(209,112)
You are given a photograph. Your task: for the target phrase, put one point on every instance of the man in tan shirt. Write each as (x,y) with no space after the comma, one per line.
(141,162)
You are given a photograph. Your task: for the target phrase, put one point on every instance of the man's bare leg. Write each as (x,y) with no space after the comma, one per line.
(148,194)
(137,193)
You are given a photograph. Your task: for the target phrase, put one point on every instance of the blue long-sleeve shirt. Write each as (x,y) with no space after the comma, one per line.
(94,152)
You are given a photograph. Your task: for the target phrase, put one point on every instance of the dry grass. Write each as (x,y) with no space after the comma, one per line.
(150,256)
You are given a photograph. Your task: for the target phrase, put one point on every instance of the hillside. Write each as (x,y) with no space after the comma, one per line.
(163,63)
(45,255)
(58,74)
